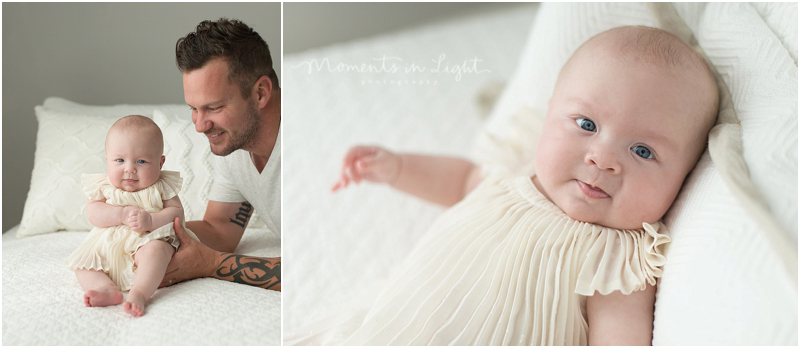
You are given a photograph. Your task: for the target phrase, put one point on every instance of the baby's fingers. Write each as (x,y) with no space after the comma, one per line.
(342,183)
(356,152)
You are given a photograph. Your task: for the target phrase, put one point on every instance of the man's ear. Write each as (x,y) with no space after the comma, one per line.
(263,89)
(161,165)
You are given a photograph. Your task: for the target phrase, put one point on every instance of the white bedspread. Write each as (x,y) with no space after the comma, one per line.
(43,303)
(335,244)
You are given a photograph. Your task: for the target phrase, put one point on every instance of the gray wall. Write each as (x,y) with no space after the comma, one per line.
(99,54)
(310,25)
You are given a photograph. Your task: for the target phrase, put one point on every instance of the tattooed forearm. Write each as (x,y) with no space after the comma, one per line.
(242,215)
(256,271)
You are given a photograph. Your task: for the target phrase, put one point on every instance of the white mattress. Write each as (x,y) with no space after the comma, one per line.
(336,244)
(43,303)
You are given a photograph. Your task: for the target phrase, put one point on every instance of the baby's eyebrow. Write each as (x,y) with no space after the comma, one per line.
(660,138)
(579,102)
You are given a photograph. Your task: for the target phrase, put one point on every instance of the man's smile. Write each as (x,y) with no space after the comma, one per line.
(214,136)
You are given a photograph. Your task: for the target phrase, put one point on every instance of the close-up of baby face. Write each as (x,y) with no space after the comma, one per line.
(619,139)
(133,159)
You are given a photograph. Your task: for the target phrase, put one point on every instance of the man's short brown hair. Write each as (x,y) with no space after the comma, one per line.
(245,51)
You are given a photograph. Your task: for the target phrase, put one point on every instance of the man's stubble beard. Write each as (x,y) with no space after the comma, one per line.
(244,138)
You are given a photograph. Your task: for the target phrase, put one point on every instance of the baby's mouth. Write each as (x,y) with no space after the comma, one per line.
(591,191)
(130,181)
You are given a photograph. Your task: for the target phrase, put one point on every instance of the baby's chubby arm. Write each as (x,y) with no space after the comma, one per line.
(442,180)
(616,319)
(101,214)
(141,221)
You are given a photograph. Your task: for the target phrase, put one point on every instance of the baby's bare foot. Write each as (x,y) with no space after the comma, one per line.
(134,305)
(102,297)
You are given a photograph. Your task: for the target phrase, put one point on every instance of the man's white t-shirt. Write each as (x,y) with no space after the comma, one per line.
(237,180)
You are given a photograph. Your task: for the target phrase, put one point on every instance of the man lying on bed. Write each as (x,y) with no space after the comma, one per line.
(233,92)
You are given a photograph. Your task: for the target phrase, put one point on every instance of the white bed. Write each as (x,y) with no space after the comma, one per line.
(42,301)
(723,284)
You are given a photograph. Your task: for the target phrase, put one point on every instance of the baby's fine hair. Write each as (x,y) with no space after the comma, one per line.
(655,46)
(657,49)
(141,124)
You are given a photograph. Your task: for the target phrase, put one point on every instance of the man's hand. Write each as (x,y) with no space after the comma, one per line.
(369,163)
(195,260)
(192,259)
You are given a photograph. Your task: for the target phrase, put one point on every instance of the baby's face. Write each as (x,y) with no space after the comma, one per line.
(133,159)
(618,141)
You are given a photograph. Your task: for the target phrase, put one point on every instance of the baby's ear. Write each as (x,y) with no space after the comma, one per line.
(161,165)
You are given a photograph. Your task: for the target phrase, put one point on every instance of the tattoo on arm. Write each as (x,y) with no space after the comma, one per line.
(242,215)
(256,271)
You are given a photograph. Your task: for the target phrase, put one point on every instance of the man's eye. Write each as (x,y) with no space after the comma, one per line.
(586,124)
(642,151)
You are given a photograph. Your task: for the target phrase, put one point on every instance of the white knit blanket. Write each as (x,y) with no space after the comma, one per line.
(43,303)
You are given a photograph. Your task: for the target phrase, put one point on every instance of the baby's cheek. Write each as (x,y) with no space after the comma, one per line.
(650,208)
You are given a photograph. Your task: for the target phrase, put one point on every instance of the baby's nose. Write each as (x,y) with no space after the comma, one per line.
(603,158)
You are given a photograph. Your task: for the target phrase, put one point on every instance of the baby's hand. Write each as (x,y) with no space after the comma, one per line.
(140,220)
(369,163)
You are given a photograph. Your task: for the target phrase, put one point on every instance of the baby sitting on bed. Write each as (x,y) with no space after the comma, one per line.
(132,207)
(570,254)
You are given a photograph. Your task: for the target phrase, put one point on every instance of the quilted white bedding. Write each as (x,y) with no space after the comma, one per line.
(723,283)
(43,303)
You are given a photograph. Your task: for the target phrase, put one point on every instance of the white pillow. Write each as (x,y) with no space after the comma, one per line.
(722,283)
(67,145)
(64,105)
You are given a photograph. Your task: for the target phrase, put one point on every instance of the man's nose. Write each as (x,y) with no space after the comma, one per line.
(201,121)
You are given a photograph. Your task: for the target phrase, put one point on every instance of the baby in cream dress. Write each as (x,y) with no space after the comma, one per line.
(568,254)
(132,207)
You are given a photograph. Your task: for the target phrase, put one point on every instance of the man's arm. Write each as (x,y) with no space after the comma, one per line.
(263,272)
(223,225)
(195,260)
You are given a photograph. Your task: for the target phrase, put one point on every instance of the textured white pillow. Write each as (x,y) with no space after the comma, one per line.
(187,152)
(68,106)
(722,283)
(67,145)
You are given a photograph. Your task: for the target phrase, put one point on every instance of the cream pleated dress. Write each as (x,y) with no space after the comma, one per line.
(504,266)
(111,249)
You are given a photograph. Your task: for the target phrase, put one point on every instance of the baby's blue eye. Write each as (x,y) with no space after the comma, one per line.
(120,160)
(642,151)
(585,124)
(139,161)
